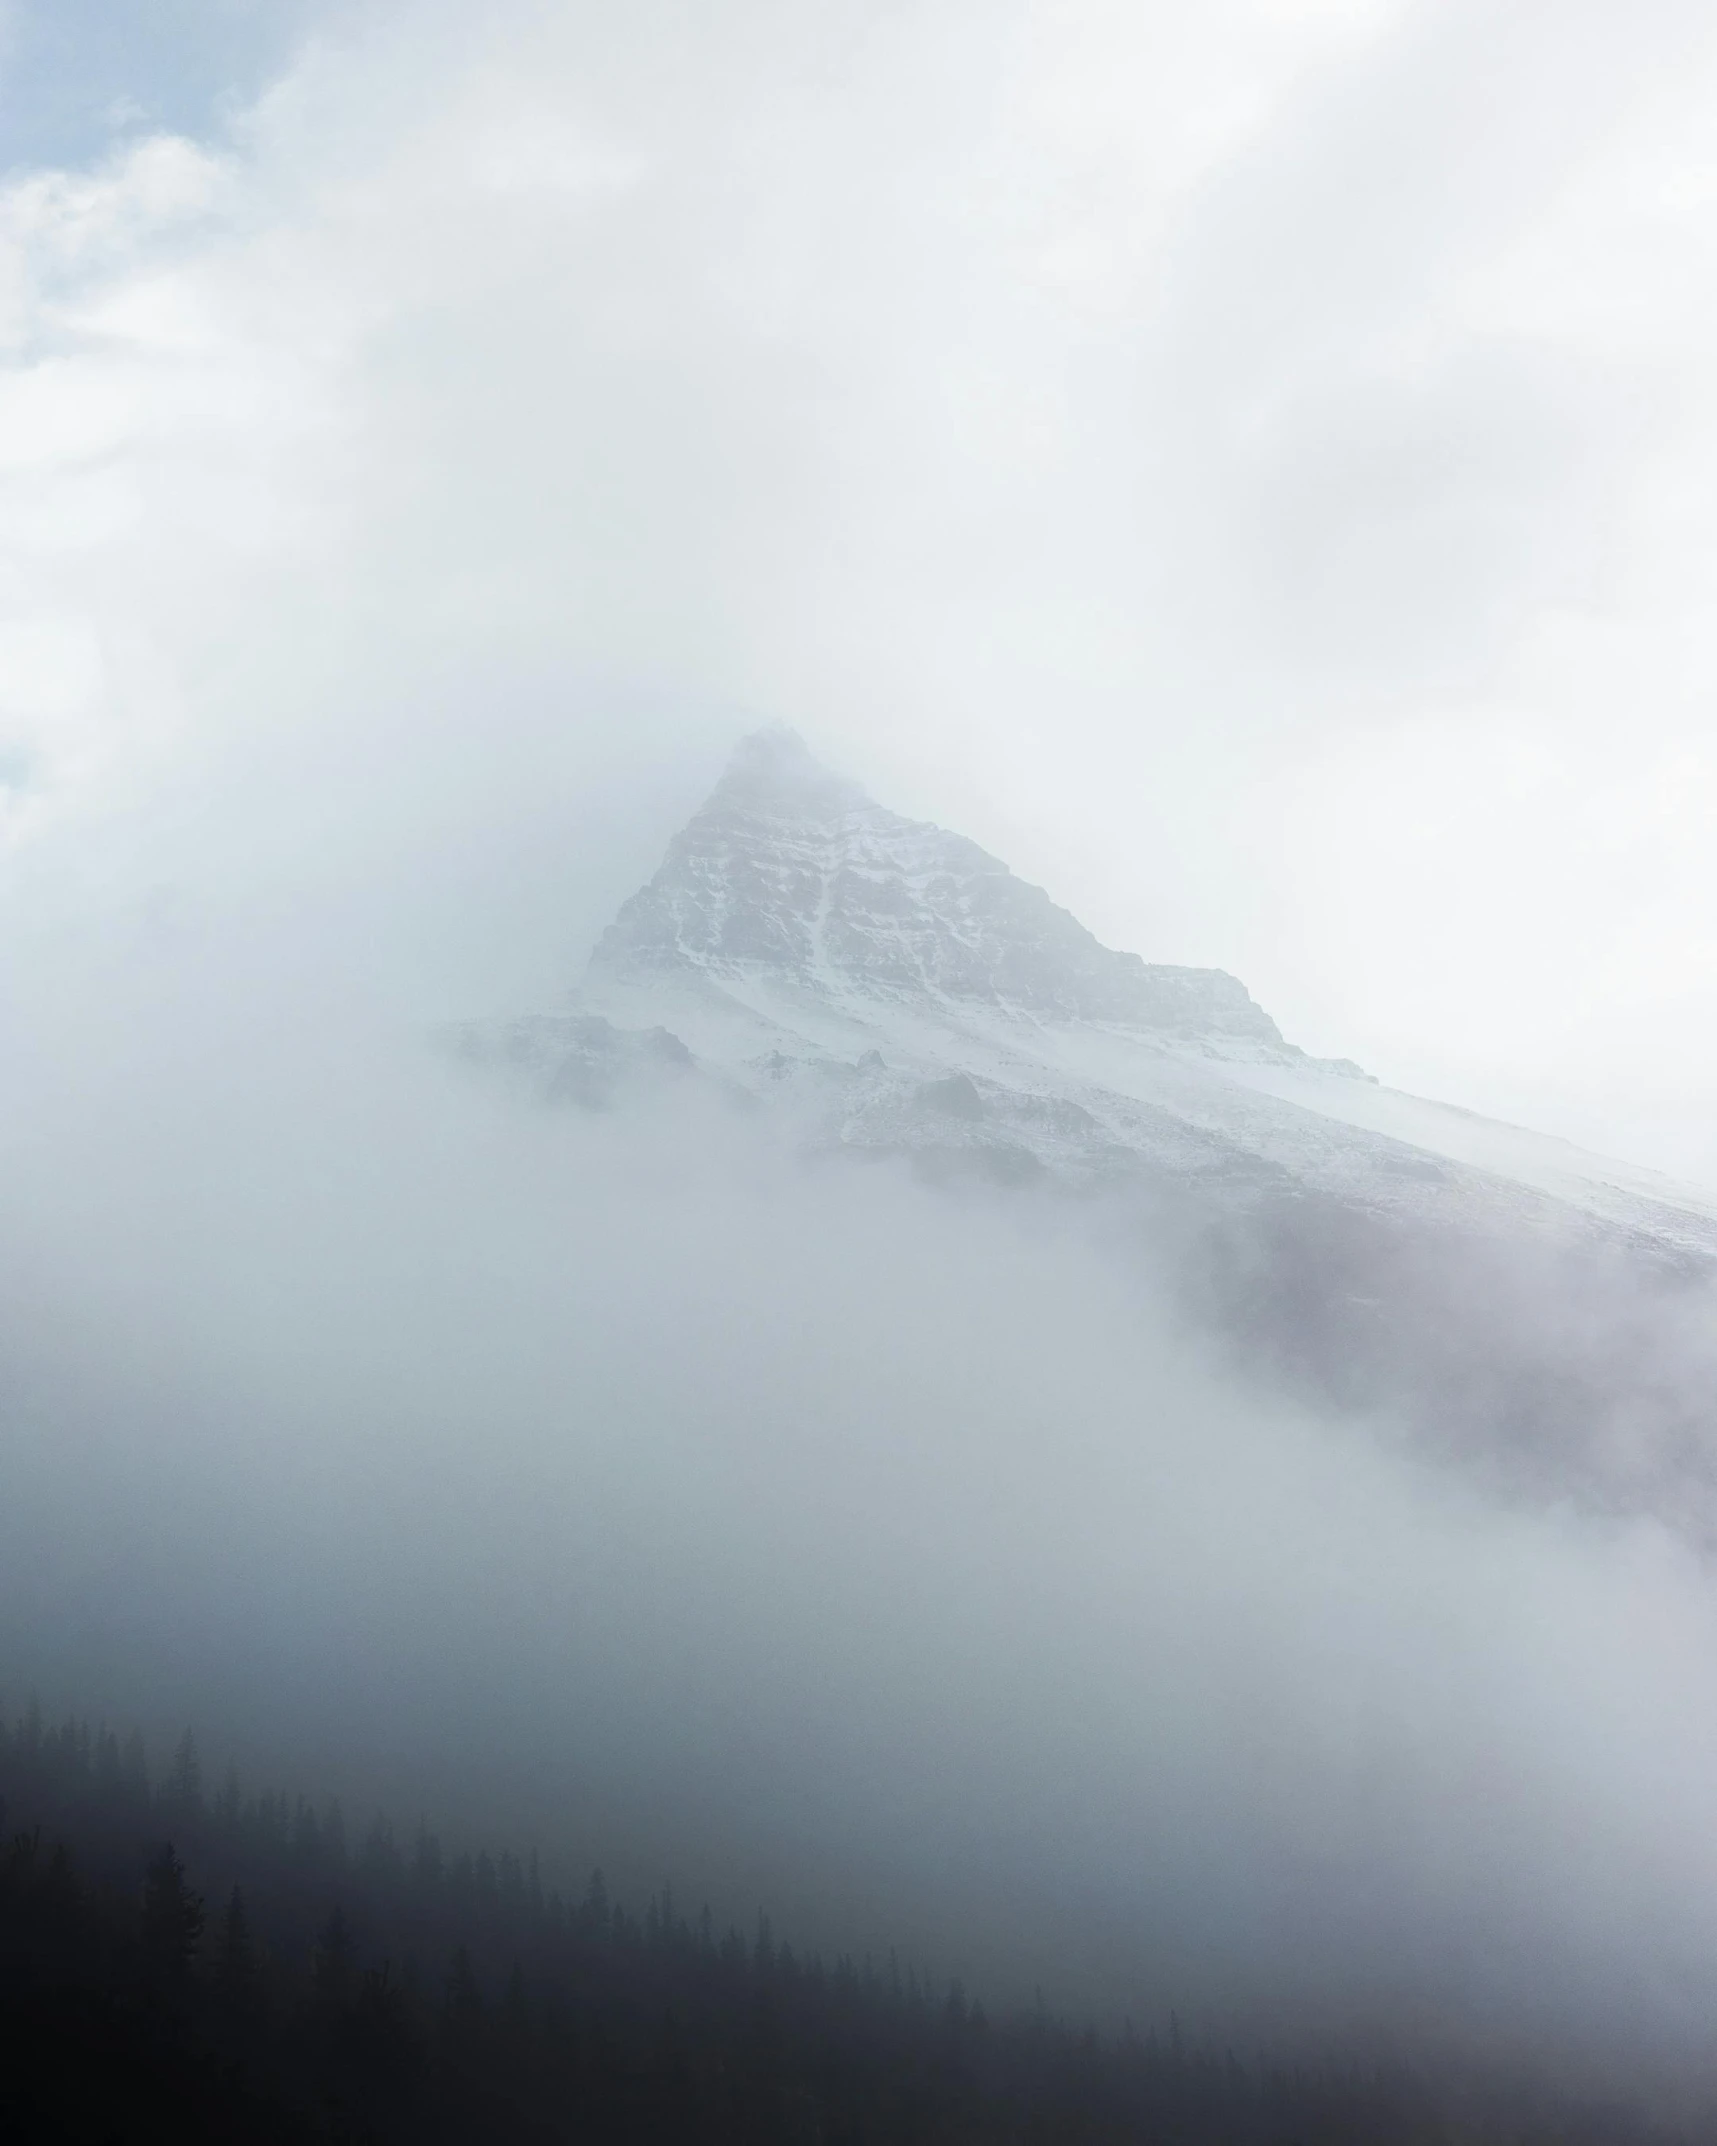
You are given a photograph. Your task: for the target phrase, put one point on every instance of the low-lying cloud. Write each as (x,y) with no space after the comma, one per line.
(880,1555)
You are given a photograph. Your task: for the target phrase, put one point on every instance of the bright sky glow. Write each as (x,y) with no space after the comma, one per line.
(1253,466)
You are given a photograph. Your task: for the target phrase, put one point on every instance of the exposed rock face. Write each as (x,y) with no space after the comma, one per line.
(793,876)
(579,1057)
(882,983)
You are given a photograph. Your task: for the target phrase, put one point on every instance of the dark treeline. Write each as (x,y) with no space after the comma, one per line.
(178,1958)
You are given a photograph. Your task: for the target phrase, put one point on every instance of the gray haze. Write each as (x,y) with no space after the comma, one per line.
(1250,467)
(872,1554)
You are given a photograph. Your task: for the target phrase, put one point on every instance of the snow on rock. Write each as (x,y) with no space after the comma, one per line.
(888,984)
(880,985)
(791,876)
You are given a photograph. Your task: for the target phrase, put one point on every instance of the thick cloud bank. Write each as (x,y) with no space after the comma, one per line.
(1249,465)
(826,1542)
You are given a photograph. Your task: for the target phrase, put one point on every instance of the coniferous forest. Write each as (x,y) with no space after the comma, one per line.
(182,1959)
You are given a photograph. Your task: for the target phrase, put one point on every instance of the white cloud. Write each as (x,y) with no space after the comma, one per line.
(1202,452)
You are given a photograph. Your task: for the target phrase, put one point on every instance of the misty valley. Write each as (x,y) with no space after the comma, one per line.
(885,1525)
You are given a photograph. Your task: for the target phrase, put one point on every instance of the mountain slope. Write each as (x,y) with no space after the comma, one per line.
(845,962)
(883,986)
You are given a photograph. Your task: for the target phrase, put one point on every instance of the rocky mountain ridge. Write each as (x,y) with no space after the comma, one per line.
(873,985)
(792,877)
(885,984)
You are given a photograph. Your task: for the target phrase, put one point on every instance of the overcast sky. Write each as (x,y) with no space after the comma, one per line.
(1252,465)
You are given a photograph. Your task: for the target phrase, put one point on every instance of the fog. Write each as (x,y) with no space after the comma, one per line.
(874,1554)
(1252,473)
(1250,467)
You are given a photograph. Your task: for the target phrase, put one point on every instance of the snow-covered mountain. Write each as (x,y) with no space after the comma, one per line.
(880,984)
(890,985)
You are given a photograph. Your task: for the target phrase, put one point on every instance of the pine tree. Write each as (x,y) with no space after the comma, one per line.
(464,1998)
(238,1983)
(172,1916)
(229,1804)
(334,1958)
(515,2012)
(136,1766)
(184,1784)
(306,1832)
(426,1858)
(379,1859)
(107,1772)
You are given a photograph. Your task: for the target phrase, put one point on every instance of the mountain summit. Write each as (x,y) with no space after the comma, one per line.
(888,984)
(792,877)
(868,983)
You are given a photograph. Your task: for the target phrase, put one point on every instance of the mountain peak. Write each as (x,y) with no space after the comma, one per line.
(878,985)
(789,877)
(774,771)
(772,756)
